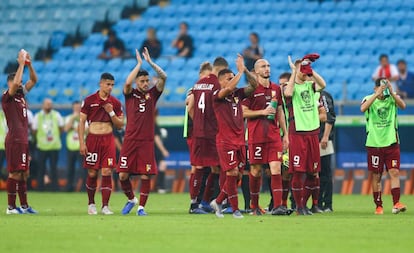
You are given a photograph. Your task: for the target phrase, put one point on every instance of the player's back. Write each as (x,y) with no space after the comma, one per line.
(204,119)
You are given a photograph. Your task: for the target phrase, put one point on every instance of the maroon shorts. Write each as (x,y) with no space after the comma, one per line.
(232,156)
(388,156)
(137,158)
(304,155)
(17,156)
(204,152)
(264,153)
(101,151)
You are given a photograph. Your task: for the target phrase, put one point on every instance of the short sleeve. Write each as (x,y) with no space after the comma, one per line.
(246,102)
(84,106)
(118,108)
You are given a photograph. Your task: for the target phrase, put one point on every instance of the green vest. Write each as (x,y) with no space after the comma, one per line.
(382,123)
(3,130)
(72,137)
(48,134)
(305,107)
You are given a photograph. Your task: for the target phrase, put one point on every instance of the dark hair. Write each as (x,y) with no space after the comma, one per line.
(285,75)
(75,102)
(255,34)
(378,81)
(107,76)
(11,76)
(224,71)
(185,24)
(401,61)
(383,56)
(112,33)
(142,73)
(220,62)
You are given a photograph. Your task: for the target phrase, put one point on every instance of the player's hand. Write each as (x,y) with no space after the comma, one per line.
(21,57)
(389,86)
(108,107)
(285,142)
(292,66)
(324,143)
(166,153)
(83,150)
(240,63)
(269,111)
(380,90)
(138,56)
(146,55)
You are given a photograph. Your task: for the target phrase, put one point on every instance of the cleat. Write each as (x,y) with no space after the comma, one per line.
(238,215)
(29,210)
(16,210)
(129,205)
(197,211)
(257,212)
(248,210)
(204,205)
(303,211)
(328,210)
(316,209)
(379,210)
(141,212)
(106,211)
(308,211)
(92,209)
(217,208)
(280,210)
(399,207)
(228,210)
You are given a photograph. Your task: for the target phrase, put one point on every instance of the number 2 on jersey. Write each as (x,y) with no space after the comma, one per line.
(202,103)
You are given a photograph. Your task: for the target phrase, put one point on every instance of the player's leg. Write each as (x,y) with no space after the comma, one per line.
(129,193)
(209,189)
(255,179)
(376,191)
(12,181)
(143,194)
(231,189)
(285,186)
(91,183)
(392,161)
(106,190)
(375,160)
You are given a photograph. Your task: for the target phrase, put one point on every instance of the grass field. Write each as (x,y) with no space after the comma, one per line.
(64,226)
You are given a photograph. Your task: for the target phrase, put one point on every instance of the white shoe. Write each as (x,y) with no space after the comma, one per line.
(16,210)
(217,208)
(92,209)
(105,210)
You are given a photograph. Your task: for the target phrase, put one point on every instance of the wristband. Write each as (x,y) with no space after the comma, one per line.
(111,114)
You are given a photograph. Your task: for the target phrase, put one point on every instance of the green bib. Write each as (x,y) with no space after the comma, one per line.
(305,107)
(382,123)
(48,134)
(3,129)
(72,137)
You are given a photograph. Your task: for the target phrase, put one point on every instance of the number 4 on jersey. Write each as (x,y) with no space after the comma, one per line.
(201,102)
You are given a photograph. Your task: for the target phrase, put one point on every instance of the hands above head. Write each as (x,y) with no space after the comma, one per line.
(138,56)
(146,55)
(240,63)
(293,66)
(21,57)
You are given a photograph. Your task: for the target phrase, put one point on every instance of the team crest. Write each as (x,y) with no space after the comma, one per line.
(394,163)
(279,155)
(236,100)
(147,96)
(305,96)
(148,167)
(273,93)
(382,112)
(110,161)
(315,166)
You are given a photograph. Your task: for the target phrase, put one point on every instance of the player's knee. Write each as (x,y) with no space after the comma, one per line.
(123,176)
(233,173)
(394,173)
(106,171)
(92,173)
(256,170)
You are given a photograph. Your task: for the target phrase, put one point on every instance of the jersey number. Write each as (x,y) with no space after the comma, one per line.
(24,158)
(258,152)
(123,161)
(375,160)
(296,160)
(235,111)
(201,103)
(92,157)
(231,153)
(142,107)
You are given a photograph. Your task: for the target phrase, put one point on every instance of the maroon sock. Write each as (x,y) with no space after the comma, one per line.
(127,189)
(377,198)
(285,193)
(144,192)
(198,177)
(191,185)
(277,190)
(395,192)
(231,185)
(223,192)
(309,182)
(315,190)
(254,184)
(297,188)
(22,191)
(91,188)
(209,190)
(106,189)
(222,178)
(11,192)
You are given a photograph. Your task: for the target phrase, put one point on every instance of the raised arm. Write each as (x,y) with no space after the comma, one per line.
(32,74)
(133,74)
(252,82)
(19,74)
(319,81)
(291,83)
(224,92)
(161,74)
(398,100)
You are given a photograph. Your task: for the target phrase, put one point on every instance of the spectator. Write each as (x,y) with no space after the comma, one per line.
(253,52)
(183,42)
(406,82)
(47,126)
(113,48)
(152,43)
(386,70)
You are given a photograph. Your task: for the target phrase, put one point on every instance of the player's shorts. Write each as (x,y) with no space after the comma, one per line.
(101,151)
(304,155)
(17,156)
(232,156)
(204,152)
(137,158)
(264,153)
(388,156)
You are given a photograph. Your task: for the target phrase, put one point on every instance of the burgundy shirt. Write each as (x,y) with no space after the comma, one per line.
(92,106)
(15,110)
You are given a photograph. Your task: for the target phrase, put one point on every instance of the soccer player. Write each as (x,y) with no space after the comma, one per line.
(230,136)
(137,154)
(16,143)
(304,159)
(265,143)
(102,111)
(382,142)
(204,151)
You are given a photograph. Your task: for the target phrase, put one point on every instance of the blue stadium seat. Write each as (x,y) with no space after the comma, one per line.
(95,39)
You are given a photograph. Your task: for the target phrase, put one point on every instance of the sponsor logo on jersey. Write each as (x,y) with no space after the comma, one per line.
(258,94)
(94,105)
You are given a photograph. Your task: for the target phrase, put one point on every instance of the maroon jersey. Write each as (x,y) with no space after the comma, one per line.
(260,128)
(15,110)
(92,106)
(140,110)
(229,116)
(204,119)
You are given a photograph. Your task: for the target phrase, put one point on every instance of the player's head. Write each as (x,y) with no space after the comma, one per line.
(151,33)
(384,60)
(10,80)
(254,38)
(106,83)
(284,78)
(205,69)
(378,83)
(142,80)
(262,68)
(47,105)
(219,64)
(224,76)
(76,106)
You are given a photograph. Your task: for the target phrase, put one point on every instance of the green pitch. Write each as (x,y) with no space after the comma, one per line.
(64,226)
